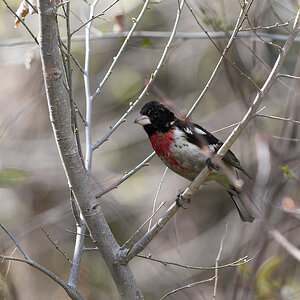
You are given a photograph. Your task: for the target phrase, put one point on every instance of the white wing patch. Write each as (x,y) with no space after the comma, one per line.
(198,130)
(213,147)
(188,130)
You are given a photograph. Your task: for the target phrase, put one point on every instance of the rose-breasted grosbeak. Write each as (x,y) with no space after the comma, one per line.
(186,148)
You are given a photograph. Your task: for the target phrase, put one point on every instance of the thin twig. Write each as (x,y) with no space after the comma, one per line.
(191,285)
(288,76)
(116,58)
(55,244)
(240,261)
(126,176)
(223,52)
(15,242)
(24,24)
(285,244)
(91,249)
(157,34)
(67,52)
(156,196)
(77,109)
(140,228)
(278,118)
(71,291)
(260,38)
(268,27)
(88,96)
(152,78)
(239,22)
(285,138)
(95,17)
(76,233)
(217,261)
(32,6)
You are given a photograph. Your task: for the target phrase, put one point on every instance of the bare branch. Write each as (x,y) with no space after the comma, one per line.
(288,76)
(260,38)
(240,261)
(71,291)
(55,244)
(268,27)
(191,285)
(157,34)
(285,244)
(152,78)
(95,17)
(15,242)
(285,138)
(127,175)
(156,196)
(278,118)
(75,171)
(72,56)
(140,228)
(239,22)
(24,24)
(218,259)
(116,58)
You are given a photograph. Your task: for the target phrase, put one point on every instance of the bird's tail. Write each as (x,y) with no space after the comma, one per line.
(243,211)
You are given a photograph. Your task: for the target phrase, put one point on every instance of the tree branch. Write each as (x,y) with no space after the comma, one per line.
(191,285)
(157,34)
(115,59)
(75,171)
(152,78)
(71,291)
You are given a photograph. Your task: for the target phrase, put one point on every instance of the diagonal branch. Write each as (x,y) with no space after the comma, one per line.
(116,58)
(244,11)
(191,189)
(16,242)
(71,291)
(152,78)
(20,19)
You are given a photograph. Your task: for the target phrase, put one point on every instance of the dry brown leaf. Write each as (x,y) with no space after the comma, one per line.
(24,9)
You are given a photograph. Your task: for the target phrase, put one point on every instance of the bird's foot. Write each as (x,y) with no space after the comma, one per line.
(211,165)
(179,201)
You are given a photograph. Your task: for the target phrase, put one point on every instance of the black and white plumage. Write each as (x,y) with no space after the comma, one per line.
(186,148)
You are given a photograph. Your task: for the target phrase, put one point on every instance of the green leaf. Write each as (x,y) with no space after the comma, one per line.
(11,176)
(287,172)
(267,283)
(202,9)
(146,43)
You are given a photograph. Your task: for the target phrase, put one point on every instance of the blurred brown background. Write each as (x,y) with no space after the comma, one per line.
(33,186)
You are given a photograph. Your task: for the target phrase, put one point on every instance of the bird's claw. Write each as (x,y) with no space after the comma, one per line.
(179,201)
(211,165)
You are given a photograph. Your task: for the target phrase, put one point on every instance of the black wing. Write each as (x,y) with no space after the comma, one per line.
(200,137)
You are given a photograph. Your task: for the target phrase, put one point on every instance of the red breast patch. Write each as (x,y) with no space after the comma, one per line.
(162,145)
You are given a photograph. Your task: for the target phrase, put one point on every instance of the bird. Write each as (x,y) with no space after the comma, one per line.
(186,148)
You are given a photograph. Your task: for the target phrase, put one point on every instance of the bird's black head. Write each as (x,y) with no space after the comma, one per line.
(155,117)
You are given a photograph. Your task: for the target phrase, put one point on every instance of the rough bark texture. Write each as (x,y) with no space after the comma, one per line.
(75,171)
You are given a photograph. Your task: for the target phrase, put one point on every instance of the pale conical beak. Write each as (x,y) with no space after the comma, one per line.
(142,120)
